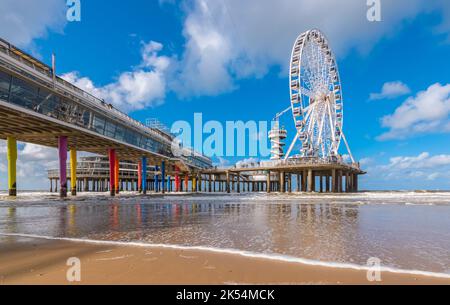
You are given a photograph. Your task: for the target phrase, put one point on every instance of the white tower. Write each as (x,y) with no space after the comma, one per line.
(277,137)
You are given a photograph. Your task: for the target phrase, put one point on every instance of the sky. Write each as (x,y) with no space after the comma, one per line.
(228,59)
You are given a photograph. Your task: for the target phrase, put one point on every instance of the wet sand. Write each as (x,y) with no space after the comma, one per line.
(36,261)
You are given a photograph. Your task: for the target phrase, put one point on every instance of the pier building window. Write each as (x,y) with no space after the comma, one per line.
(131,137)
(23,94)
(45,102)
(99,124)
(110,129)
(120,133)
(5,82)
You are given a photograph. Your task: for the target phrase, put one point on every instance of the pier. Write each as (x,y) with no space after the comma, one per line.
(300,175)
(37,106)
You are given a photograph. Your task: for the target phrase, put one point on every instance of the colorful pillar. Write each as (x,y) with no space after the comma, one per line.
(156,179)
(194,184)
(163,177)
(186,183)
(177,180)
(144,175)
(73,171)
(140,176)
(62,152)
(12,160)
(169,184)
(112,171)
(116,174)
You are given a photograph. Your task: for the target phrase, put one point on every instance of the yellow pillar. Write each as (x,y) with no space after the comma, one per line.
(194,184)
(117,175)
(73,171)
(12,160)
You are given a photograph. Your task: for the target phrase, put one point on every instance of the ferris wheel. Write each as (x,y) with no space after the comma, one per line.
(316,97)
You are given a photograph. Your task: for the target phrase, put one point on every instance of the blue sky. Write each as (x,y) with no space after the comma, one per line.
(228,60)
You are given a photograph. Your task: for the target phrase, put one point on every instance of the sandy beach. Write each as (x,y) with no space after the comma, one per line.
(36,261)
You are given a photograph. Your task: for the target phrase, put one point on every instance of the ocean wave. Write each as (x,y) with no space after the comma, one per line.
(249,254)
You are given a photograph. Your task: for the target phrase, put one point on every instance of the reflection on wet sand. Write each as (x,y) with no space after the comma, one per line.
(345,232)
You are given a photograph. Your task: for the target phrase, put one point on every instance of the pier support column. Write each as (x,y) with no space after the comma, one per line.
(327,183)
(177,179)
(112,171)
(299,183)
(73,171)
(62,152)
(333,181)
(347,182)
(209,183)
(339,179)
(139,183)
(238,183)
(156,181)
(194,184)
(310,181)
(12,161)
(228,182)
(269,184)
(321,183)
(51,185)
(116,175)
(144,175)
(305,181)
(186,183)
(289,183)
(163,177)
(282,183)
(86,185)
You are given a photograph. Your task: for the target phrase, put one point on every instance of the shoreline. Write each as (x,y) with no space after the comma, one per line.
(40,260)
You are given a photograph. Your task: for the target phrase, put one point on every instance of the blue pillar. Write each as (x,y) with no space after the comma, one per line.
(144,175)
(156,180)
(169,184)
(163,176)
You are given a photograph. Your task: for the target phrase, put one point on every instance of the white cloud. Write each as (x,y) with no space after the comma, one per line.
(228,40)
(143,87)
(422,161)
(221,162)
(247,162)
(391,90)
(32,164)
(427,112)
(366,161)
(24,20)
(424,171)
(33,161)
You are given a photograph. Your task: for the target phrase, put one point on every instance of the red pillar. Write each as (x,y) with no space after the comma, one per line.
(177,179)
(116,175)
(112,171)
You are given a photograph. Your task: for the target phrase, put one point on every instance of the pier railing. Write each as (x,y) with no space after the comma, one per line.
(293,161)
